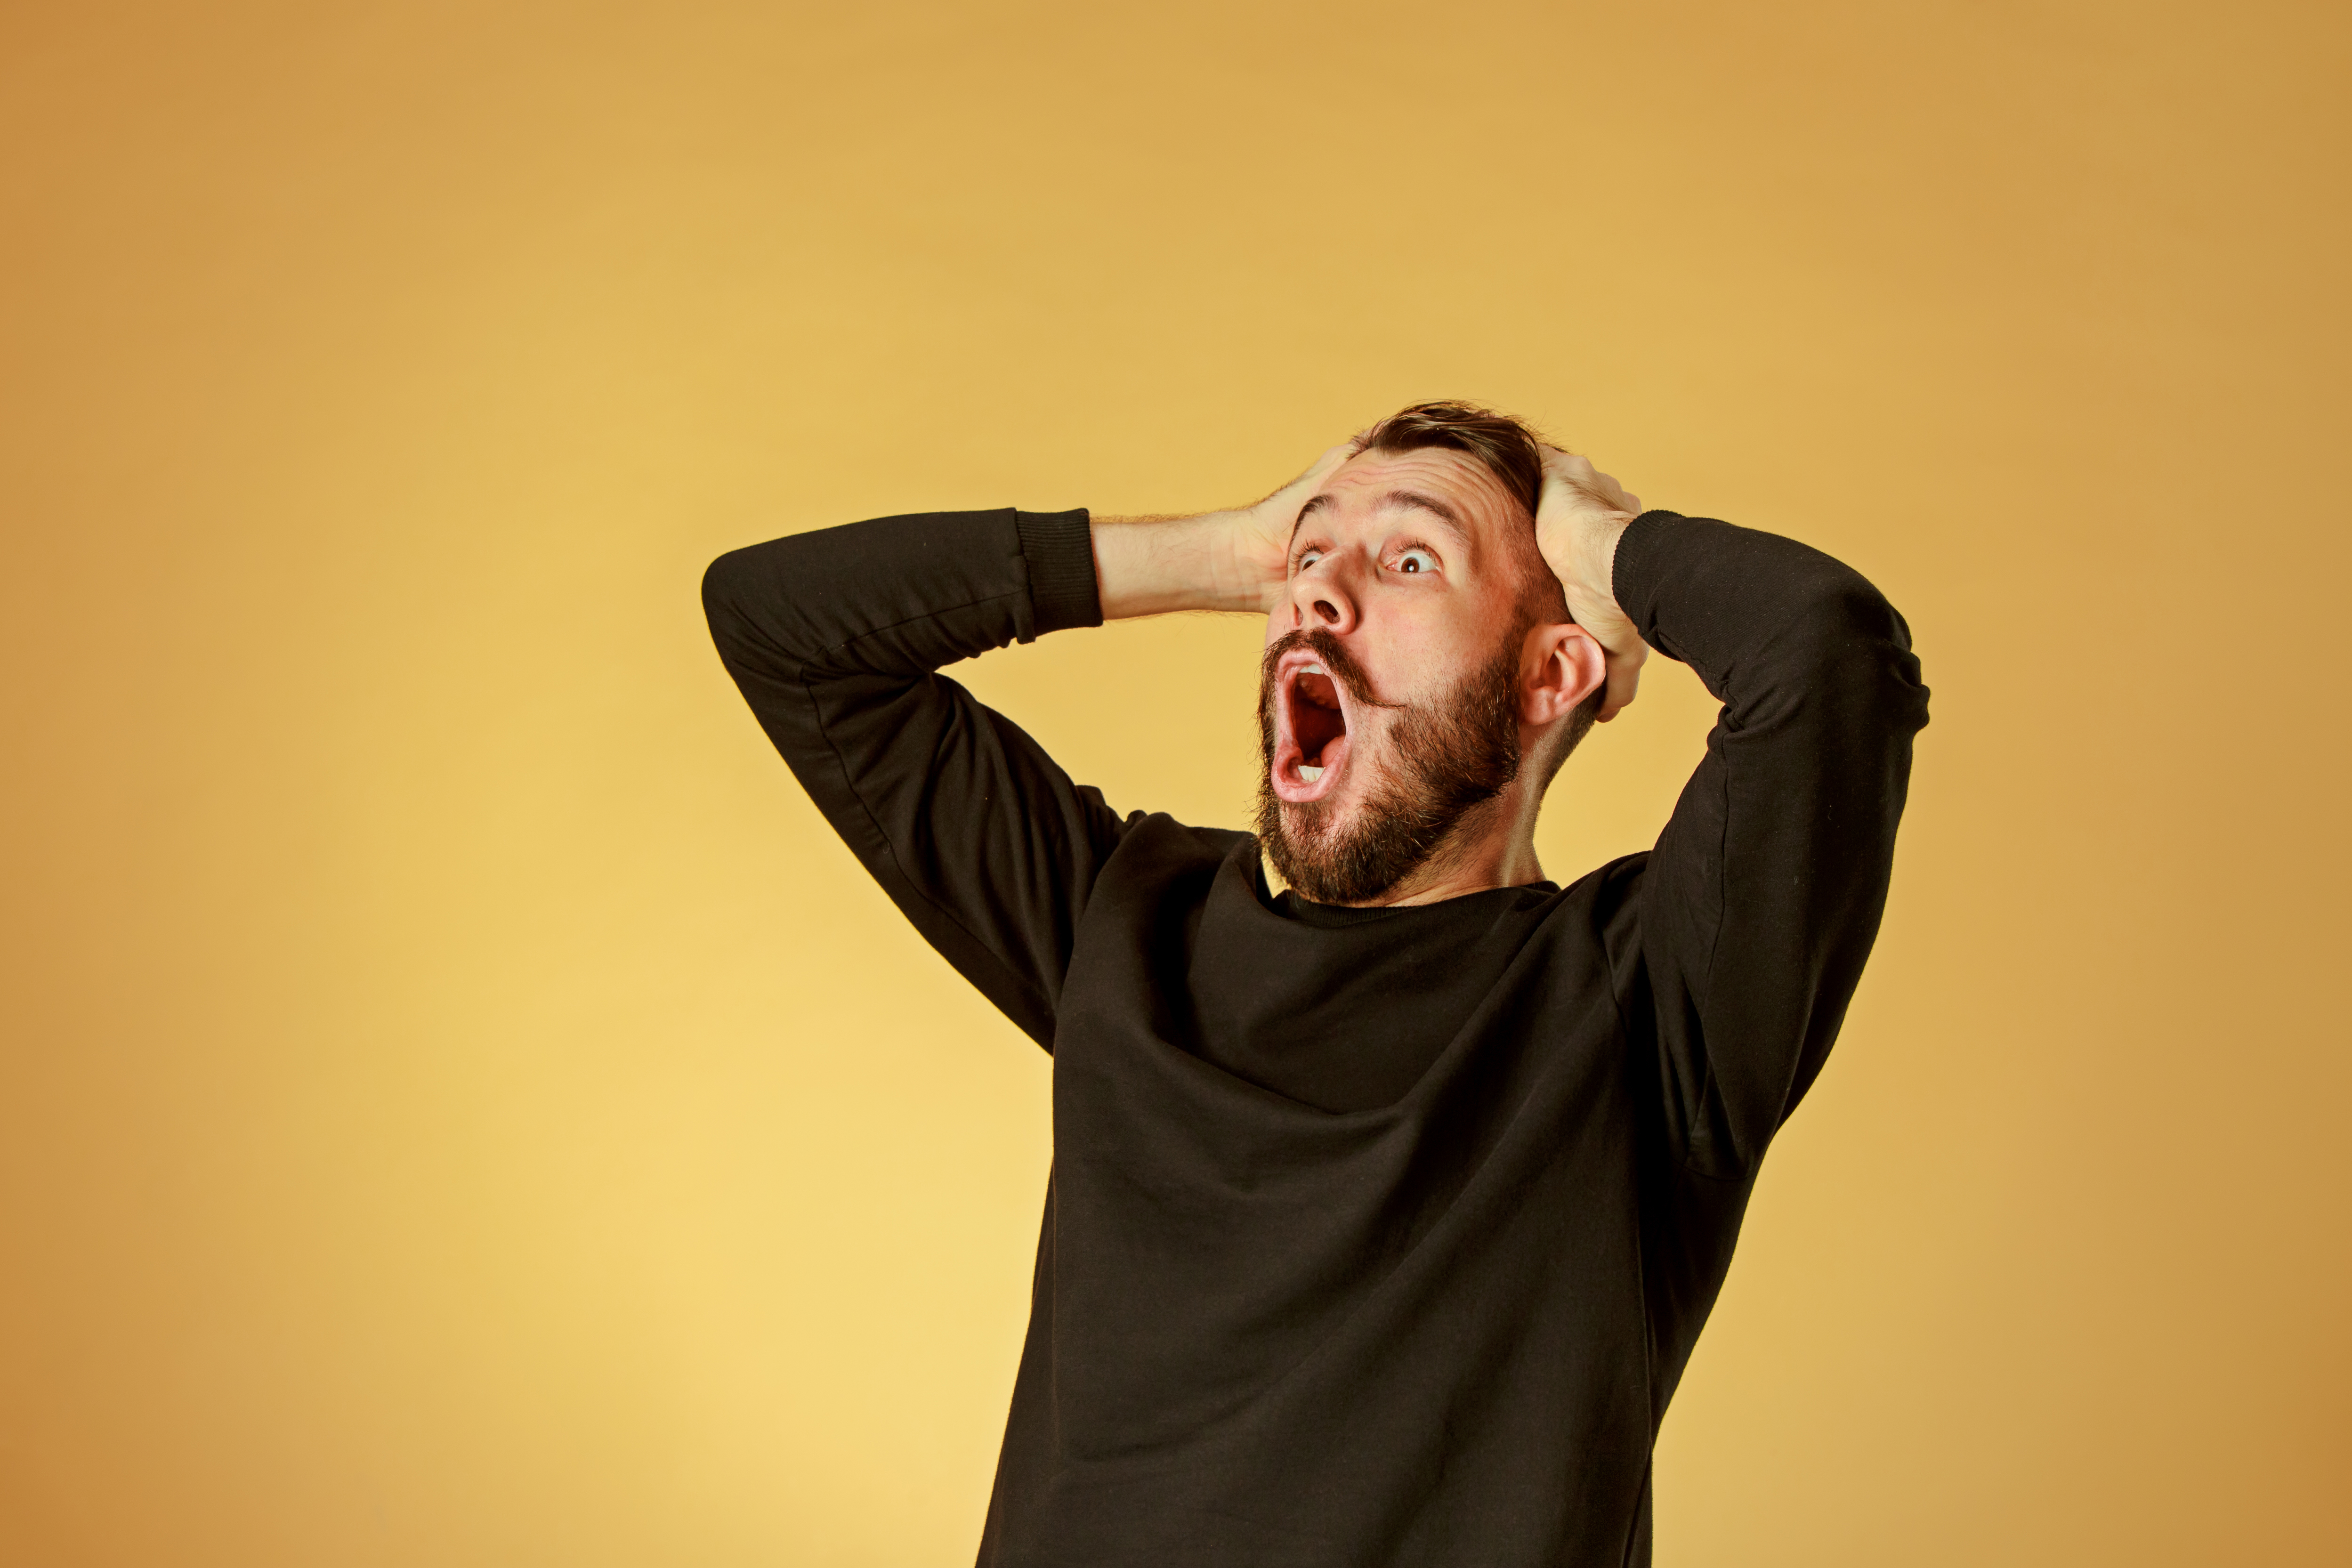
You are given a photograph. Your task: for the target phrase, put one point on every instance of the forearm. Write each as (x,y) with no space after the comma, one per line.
(1766,888)
(901,595)
(832,638)
(854,621)
(1757,616)
(1153,565)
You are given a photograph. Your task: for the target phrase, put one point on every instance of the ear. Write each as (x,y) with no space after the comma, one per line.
(1560,665)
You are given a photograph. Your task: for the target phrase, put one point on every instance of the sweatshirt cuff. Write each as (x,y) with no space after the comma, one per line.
(1059,547)
(1640,556)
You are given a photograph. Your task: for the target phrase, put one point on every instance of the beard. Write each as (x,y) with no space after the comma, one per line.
(1443,760)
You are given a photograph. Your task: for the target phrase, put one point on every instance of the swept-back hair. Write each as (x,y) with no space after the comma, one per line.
(1511,451)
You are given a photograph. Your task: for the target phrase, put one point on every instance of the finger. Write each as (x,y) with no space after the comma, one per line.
(1581,478)
(1581,481)
(1625,680)
(1319,468)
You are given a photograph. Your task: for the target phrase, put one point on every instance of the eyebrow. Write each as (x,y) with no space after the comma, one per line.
(1411,501)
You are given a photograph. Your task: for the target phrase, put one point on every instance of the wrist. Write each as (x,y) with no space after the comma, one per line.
(1584,558)
(1252,565)
(1157,565)
(1599,552)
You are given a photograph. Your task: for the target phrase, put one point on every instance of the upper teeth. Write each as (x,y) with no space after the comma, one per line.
(1315,668)
(1309,772)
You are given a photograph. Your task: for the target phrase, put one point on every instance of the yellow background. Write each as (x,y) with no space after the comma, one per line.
(460,1105)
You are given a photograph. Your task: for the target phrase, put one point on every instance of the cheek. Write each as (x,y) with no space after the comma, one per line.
(1424,654)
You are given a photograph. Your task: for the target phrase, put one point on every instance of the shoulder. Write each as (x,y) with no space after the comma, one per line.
(1155,848)
(1606,902)
(1607,889)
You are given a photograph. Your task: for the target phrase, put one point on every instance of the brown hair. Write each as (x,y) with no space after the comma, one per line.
(1511,451)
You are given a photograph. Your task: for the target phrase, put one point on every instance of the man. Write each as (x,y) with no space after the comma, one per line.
(1386,1209)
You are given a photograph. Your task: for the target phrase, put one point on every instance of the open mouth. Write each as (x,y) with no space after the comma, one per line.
(1310,749)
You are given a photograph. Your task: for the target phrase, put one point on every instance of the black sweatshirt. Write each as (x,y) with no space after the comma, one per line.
(1373,1236)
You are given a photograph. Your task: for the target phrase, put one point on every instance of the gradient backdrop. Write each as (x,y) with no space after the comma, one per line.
(458,1105)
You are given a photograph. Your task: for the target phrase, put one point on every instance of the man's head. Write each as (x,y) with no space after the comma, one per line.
(1422,680)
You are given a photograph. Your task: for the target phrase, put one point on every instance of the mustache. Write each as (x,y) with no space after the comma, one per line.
(1334,657)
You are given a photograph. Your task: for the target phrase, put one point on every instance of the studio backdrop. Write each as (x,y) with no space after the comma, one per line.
(459,1105)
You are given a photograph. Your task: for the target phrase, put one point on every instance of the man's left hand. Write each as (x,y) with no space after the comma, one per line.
(1581,514)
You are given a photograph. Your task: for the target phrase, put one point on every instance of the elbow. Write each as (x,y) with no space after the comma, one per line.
(1861,650)
(758,627)
(726,593)
(721,581)
(1849,607)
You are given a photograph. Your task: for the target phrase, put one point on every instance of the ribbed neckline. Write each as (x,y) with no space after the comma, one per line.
(1333,917)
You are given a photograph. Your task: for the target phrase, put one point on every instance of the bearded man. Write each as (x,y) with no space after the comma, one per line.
(1386,1209)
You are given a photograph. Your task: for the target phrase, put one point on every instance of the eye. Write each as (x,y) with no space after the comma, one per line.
(1308,557)
(1416,560)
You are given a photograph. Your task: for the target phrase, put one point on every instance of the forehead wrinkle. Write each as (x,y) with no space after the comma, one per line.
(1446,515)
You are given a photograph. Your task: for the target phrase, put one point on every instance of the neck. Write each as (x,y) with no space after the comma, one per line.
(1494,846)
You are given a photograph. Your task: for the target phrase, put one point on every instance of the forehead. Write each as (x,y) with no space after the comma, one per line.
(1372,484)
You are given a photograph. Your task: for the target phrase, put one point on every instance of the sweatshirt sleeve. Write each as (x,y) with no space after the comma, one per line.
(1761,899)
(836,639)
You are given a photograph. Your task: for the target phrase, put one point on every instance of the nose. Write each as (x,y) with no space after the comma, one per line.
(1320,598)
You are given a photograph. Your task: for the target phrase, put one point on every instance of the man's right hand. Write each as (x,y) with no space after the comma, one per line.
(1261,533)
(1235,560)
